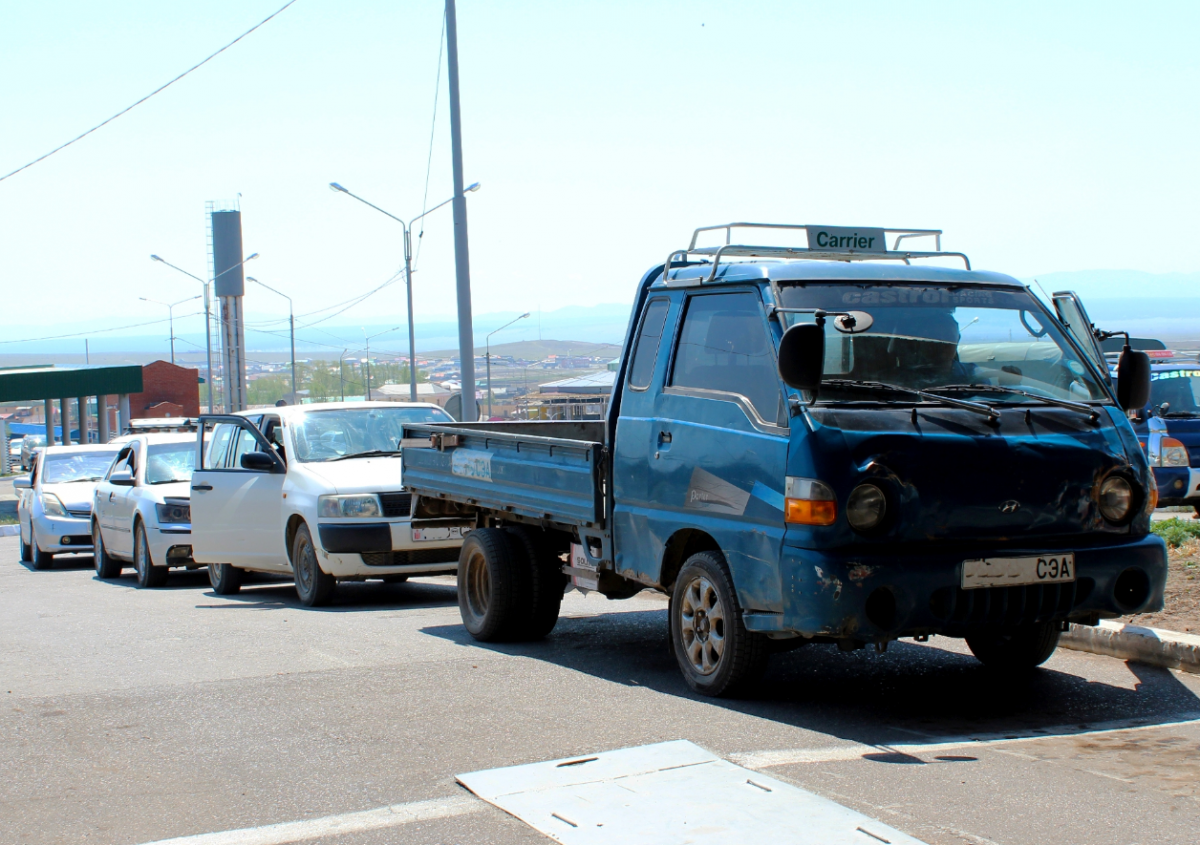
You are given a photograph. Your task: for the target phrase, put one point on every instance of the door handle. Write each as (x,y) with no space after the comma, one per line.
(664,437)
(202,487)
(110,495)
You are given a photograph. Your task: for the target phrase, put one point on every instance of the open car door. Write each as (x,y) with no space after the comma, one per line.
(1072,315)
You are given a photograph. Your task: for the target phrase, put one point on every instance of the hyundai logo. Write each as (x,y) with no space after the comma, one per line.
(1011,506)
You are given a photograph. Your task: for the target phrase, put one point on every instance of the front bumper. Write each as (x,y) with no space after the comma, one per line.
(51,531)
(1177,486)
(374,549)
(882,597)
(171,545)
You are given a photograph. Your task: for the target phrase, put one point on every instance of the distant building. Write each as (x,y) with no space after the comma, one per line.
(167,391)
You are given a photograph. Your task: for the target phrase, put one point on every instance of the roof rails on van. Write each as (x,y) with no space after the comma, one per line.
(825,243)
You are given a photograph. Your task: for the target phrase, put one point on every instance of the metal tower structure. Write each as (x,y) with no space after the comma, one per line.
(225,266)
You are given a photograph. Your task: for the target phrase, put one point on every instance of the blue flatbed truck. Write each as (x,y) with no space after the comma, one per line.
(841,443)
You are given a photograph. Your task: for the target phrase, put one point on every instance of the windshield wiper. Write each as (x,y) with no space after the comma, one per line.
(976,407)
(73,480)
(371,453)
(1049,400)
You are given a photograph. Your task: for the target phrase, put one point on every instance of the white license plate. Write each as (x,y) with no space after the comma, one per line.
(429,535)
(1018,571)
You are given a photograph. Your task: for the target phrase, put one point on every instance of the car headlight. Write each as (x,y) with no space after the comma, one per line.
(52,505)
(809,502)
(866,507)
(1116,498)
(1172,453)
(360,506)
(174,514)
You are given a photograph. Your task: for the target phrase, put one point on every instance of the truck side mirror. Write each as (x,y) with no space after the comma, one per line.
(260,462)
(1133,379)
(802,356)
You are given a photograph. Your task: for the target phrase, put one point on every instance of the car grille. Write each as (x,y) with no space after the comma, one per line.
(1009,605)
(80,513)
(396,504)
(404,558)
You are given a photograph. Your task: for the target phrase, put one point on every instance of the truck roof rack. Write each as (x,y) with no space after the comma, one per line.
(825,243)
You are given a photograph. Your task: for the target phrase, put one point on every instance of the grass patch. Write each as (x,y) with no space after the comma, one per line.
(8,519)
(1176,532)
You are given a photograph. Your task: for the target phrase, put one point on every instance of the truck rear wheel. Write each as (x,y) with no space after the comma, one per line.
(1020,648)
(493,586)
(548,583)
(715,652)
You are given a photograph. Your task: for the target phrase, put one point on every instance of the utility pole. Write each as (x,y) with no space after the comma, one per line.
(462,267)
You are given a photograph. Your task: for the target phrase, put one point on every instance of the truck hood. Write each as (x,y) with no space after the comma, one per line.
(953,475)
(358,475)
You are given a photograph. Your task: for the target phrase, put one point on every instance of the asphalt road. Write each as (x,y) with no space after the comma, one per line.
(131,716)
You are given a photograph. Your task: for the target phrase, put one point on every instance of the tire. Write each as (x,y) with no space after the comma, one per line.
(106,567)
(26,549)
(547,581)
(1015,650)
(313,586)
(715,652)
(394,579)
(493,587)
(148,575)
(41,560)
(226,580)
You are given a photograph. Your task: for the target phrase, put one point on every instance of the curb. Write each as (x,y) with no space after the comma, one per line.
(1169,649)
(9,530)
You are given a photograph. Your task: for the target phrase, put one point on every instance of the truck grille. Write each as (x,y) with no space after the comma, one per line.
(396,504)
(1009,605)
(404,558)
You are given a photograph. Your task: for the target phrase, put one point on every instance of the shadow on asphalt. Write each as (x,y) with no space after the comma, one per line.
(911,693)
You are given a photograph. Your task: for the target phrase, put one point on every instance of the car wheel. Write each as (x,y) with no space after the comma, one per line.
(106,567)
(715,652)
(41,560)
(26,549)
(1017,649)
(493,586)
(148,575)
(547,581)
(313,586)
(225,579)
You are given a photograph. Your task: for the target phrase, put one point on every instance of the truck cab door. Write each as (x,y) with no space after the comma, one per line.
(1072,315)
(236,512)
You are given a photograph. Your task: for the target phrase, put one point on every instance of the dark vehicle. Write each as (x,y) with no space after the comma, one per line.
(816,446)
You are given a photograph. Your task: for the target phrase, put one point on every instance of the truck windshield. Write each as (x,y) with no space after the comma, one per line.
(1173,393)
(345,432)
(82,466)
(928,337)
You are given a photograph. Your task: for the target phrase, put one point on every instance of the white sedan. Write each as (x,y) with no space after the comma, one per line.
(314,491)
(140,513)
(55,501)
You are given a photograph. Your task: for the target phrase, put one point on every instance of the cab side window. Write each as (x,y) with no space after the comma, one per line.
(218,445)
(724,347)
(245,443)
(645,354)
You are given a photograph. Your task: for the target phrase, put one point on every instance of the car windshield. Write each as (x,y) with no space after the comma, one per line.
(81,466)
(344,432)
(929,337)
(170,462)
(1173,393)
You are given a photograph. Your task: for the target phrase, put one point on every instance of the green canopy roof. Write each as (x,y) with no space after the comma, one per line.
(26,384)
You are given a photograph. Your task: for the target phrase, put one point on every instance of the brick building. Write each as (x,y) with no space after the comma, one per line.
(167,391)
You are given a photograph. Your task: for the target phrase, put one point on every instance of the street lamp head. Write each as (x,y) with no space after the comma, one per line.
(251,257)
(251,279)
(334,186)
(143,299)
(155,258)
(523,316)
(473,187)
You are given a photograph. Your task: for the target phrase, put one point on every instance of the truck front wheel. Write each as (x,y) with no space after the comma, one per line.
(1021,648)
(715,652)
(493,586)
(313,585)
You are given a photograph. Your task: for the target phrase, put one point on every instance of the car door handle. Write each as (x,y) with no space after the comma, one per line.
(664,437)
(110,495)
(202,487)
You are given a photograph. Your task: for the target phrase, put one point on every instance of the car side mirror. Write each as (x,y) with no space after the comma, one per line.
(1133,379)
(123,478)
(802,356)
(23,482)
(260,462)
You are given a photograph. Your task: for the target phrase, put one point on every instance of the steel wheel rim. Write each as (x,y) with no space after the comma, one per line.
(702,625)
(304,573)
(479,584)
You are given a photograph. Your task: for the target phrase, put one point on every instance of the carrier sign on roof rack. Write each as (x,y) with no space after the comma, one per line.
(840,238)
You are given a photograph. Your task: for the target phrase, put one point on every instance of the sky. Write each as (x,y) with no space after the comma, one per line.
(1042,137)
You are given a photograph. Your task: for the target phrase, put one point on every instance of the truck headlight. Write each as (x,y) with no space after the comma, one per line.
(52,505)
(174,514)
(1116,499)
(1173,453)
(358,506)
(809,502)
(866,507)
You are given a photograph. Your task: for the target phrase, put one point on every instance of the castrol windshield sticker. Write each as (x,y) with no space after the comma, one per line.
(472,463)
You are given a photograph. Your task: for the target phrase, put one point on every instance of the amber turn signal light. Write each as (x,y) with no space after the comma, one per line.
(806,512)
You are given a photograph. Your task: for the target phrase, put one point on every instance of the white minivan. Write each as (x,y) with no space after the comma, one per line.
(314,491)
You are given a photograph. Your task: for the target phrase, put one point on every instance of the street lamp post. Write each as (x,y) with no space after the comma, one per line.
(291,327)
(489,358)
(412,343)
(342,372)
(368,343)
(207,315)
(170,316)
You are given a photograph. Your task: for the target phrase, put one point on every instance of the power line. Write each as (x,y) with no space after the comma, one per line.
(148,96)
(98,331)
(437,84)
